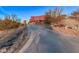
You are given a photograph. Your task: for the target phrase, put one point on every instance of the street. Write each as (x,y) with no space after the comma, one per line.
(44,40)
(38,39)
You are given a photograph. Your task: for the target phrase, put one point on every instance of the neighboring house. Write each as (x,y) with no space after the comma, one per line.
(70,23)
(35,19)
(23,22)
(27,21)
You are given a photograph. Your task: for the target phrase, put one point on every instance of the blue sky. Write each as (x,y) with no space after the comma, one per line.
(24,12)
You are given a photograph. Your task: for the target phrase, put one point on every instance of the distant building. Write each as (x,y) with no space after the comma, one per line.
(35,19)
(27,21)
(23,22)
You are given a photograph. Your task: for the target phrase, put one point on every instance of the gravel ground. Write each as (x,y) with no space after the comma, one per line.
(66,31)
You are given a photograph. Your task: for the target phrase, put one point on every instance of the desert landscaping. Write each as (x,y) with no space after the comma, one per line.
(69,27)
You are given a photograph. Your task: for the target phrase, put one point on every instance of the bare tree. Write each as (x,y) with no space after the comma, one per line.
(7,17)
(14,17)
(48,18)
(54,16)
(75,14)
(56,12)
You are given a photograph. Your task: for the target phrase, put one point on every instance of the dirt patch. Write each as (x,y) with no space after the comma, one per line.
(66,31)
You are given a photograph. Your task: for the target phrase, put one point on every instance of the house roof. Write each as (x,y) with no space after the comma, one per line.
(35,18)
